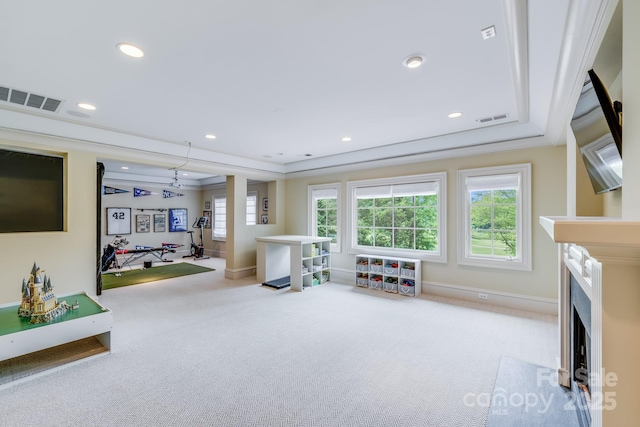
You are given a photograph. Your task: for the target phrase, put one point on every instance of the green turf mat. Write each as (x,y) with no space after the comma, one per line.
(134,277)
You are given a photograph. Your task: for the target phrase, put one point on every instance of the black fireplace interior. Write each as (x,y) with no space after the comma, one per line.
(580,347)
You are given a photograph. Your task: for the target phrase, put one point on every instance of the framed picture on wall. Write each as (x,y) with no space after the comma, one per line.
(265,219)
(178,220)
(118,221)
(208,215)
(143,223)
(265,204)
(159,223)
(207,204)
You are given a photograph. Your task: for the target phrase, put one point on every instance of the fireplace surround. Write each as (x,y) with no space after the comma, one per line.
(603,257)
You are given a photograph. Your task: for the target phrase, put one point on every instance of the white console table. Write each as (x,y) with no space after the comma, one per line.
(281,256)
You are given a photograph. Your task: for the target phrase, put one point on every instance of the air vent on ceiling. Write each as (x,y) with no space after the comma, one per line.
(27,99)
(492,118)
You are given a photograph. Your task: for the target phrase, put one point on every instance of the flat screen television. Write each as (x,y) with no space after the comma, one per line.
(597,126)
(31,192)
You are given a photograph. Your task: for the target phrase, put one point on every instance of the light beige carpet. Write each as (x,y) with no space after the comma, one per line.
(202,350)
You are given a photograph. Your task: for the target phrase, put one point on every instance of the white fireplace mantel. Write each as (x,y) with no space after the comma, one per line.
(602,236)
(603,254)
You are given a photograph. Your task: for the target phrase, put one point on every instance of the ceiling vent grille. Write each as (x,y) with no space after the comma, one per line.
(492,118)
(19,97)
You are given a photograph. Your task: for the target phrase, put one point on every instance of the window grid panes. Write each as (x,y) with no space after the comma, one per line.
(397,219)
(327,218)
(493,223)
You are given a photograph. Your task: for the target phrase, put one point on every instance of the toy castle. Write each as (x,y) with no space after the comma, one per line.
(39,303)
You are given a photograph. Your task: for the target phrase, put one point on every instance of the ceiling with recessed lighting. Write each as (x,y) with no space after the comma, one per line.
(293,86)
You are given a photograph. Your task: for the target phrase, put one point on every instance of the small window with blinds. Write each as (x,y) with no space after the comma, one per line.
(494,217)
(403,216)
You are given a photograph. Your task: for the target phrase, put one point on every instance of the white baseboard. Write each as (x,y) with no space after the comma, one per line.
(239,273)
(503,299)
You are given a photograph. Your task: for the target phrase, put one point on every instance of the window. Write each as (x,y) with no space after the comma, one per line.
(252,211)
(494,217)
(219,218)
(403,216)
(220,214)
(324,209)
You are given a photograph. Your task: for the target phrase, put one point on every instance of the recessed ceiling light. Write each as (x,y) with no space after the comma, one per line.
(346,139)
(130,50)
(210,136)
(454,115)
(124,167)
(413,61)
(86,106)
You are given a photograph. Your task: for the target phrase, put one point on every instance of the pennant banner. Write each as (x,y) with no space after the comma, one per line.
(111,190)
(139,192)
(166,194)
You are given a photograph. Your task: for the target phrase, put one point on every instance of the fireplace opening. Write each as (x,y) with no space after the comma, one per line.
(581,351)
(581,355)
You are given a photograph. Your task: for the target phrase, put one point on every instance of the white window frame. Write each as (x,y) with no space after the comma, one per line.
(522,261)
(313,191)
(438,178)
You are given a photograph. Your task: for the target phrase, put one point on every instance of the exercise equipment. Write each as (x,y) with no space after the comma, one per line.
(197,250)
(117,247)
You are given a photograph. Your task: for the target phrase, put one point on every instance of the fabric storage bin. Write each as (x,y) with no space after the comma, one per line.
(405,272)
(375,284)
(362,267)
(390,271)
(362,281)
(406,290)
(391,287)
(376,268)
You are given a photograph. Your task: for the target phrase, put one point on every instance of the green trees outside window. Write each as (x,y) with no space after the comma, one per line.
(401,222)
(494,222)
(327,217)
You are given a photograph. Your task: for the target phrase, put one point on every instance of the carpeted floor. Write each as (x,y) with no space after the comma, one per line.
(202,350)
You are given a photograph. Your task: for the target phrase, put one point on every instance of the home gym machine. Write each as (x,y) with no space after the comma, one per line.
(197,251)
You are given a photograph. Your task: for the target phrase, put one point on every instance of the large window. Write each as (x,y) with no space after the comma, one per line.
(405,216)
(325,213)
(494,218)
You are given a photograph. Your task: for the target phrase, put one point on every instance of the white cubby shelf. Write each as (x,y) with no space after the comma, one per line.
(389,274)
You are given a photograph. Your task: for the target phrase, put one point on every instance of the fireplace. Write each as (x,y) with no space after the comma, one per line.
(603,256)
(580,326)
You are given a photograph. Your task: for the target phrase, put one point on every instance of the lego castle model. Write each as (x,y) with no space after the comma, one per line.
(39,303)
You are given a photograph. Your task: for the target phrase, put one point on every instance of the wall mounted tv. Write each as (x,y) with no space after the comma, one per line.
(597,125)
(31,192)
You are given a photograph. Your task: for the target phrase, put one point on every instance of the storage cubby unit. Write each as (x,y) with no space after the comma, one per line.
(306,259)
(389,274)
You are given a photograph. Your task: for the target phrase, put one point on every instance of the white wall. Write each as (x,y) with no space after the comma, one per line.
(68,257)
(150,205)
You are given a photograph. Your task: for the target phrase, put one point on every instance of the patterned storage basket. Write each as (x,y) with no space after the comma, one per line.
(391,287)
(405,272)
(362,281)
(406,290)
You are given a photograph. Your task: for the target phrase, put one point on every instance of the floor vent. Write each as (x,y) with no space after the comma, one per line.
(19,97)
(492,118)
